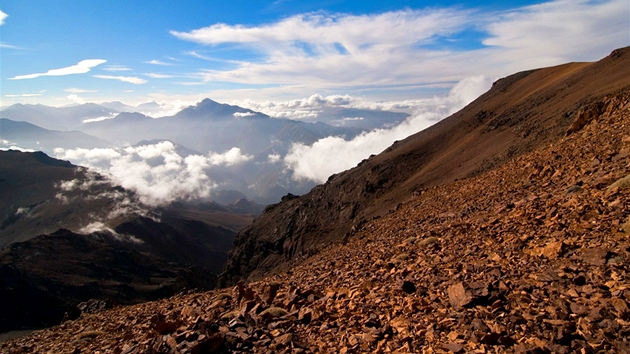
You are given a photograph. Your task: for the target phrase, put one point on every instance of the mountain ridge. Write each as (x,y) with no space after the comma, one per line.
(520,113)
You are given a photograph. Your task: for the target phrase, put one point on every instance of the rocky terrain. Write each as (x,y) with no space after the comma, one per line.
(528,255)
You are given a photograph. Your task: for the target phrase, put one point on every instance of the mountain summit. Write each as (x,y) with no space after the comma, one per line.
(209,109)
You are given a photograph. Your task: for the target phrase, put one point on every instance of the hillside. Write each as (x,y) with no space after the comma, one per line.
(530,256)
(68,235)
(519,114)
(25,134)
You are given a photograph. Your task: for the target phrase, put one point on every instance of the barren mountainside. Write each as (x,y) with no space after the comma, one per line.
(519,114)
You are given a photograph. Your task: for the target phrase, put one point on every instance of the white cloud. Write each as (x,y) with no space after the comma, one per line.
(2,17)
(243,114)
(9,46)
(77,90)
(81,67)
(559,31)
(99,119)
(129,79)
(24,95)
(327,49)
(158,62)
(75,98)
(395,51)
(116,68)
(229,158)
(194,54)
(156,172)
(335,154)
(8,145)
(169,105)
(158,76)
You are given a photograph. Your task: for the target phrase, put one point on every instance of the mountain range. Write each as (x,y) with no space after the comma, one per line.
(208,127)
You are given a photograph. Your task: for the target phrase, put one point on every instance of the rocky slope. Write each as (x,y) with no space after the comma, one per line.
(520,113)
(529,257)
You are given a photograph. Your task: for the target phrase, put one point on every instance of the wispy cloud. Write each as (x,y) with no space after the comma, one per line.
(404,48)
(116,68)
(129,79)
(198,55)
(158,76)
(81,67)
(24,95)
(9,46)
(2,17)
(158,62)
(78,90)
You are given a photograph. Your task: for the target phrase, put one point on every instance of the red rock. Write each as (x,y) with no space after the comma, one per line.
(459,296)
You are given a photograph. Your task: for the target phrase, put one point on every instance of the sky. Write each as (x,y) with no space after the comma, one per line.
(272,55)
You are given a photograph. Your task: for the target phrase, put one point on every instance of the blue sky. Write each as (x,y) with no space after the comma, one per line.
(254,52)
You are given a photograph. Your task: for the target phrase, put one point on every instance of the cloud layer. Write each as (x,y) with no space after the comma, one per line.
(156,172)
(403,50)
(335,154)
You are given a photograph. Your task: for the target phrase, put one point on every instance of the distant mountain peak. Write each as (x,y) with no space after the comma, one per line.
(209,109)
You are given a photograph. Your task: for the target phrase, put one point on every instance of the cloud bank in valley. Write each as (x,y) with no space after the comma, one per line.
(335,154)
(156,172)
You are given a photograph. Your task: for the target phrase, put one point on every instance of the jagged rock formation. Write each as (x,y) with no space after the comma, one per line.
(520,113)
(529,257)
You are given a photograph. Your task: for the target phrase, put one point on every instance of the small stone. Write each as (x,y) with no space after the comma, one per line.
(284,339)
(453,347)
(274,312)
(428,241)
(595,256)
(552,250)
(620,306)
(459,296)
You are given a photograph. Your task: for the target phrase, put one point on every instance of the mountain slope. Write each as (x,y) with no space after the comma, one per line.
(520,113)
(68,235)
(27,135)
(56,118)
(531,256)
